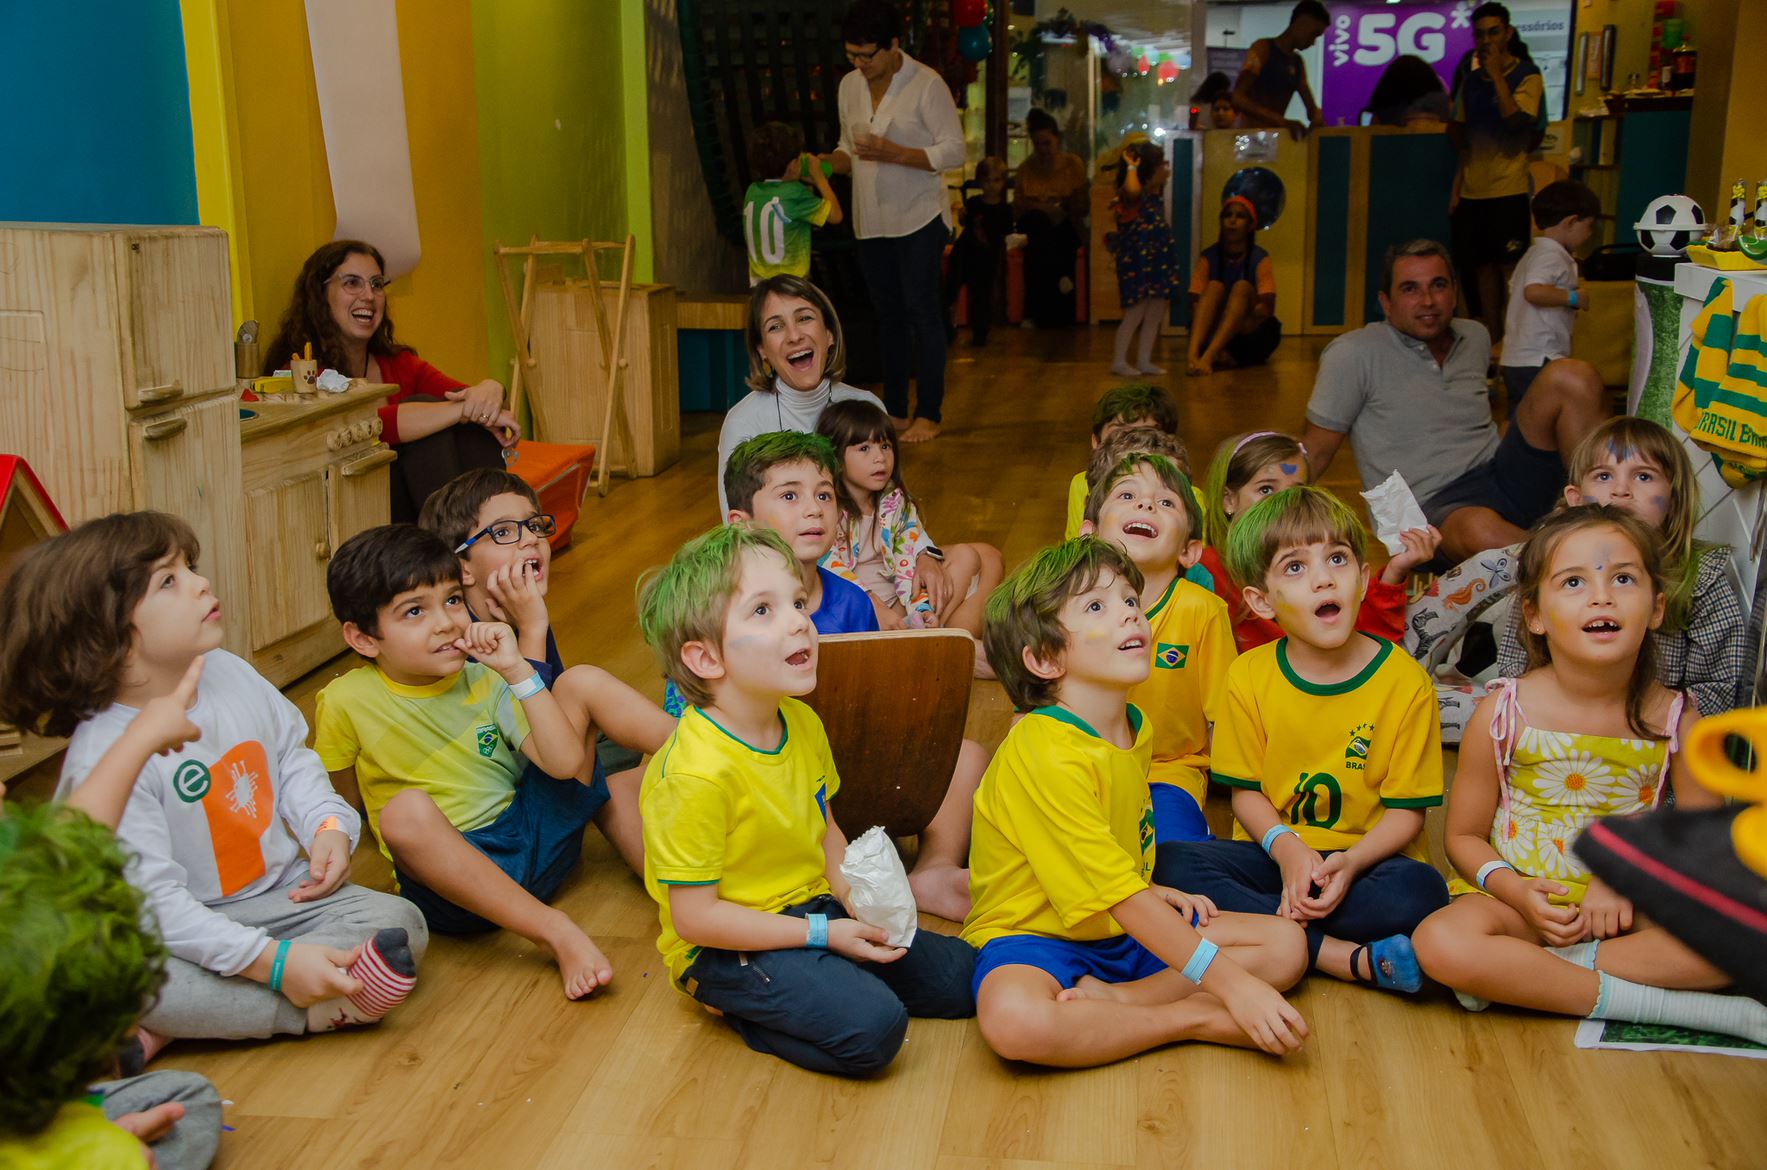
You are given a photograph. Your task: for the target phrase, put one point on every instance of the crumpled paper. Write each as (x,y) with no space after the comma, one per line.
(332,382)
(879,893)
(1395,510)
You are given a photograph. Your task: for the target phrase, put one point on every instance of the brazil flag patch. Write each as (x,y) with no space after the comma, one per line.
(1168,656)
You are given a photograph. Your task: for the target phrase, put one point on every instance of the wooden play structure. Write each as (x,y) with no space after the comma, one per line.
(27,516)
(895,744)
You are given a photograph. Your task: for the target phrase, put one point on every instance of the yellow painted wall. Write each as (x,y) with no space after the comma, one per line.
(284,184)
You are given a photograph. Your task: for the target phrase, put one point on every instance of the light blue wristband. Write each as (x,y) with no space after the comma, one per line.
(1198,964)
(277,962)
(818,936)
(1269,841)
(528,687)
(1489,868)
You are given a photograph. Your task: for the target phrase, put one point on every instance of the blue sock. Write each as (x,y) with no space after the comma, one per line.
(1392,963)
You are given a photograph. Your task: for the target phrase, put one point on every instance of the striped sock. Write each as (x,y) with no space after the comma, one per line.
(1582,954)
(387,973)
(1701,1011)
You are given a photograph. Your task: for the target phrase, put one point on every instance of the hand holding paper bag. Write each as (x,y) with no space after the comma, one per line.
(879,893)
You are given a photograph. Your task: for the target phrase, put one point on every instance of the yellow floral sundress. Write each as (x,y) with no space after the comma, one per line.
(1554,784)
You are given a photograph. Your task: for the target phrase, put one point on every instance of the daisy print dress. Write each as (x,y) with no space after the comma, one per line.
(1554,784)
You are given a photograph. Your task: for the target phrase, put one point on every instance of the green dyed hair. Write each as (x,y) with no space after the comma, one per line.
(1237,462)
(76,969)
(1024,613)
(748,465)
(1298,515)
(1135,402)
(1169,474)
(687,599)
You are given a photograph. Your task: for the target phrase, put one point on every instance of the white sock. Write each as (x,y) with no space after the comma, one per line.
(1470,1002)
(1703,1011)
(1582,954)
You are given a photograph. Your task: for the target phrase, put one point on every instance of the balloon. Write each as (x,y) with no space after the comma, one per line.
(1262,187)
(975,43)
(1142,65)
(1168,72)
(969,13)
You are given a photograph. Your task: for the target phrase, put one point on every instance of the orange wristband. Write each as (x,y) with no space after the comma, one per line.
(330,822)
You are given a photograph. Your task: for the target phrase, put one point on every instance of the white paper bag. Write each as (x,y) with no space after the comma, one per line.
(879,894)
(1395,510)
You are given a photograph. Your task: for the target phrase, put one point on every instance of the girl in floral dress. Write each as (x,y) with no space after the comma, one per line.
(1586,733)
(1146,275)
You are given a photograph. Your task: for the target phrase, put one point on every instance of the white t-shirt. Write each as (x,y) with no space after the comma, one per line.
(225,817)
(762,412)
(1532,335)
(917,111)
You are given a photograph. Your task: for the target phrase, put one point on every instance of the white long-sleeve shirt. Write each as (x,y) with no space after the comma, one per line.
(917,111)
(225,817)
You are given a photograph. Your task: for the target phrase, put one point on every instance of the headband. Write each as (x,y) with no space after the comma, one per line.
(1237,447)
(1245,203)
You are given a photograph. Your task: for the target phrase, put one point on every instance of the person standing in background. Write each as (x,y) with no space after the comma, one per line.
(899,134)
(1049,203)
(1274,73)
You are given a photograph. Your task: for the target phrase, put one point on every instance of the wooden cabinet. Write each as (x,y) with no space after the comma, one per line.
(116,382)
(315,474)
(567,392)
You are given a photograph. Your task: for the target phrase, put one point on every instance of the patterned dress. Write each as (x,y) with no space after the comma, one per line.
(1554,784)
(1144,252)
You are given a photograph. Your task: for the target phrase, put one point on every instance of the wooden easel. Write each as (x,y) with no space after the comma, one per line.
(613,361)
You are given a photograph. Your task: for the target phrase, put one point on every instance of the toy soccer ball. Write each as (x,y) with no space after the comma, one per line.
(1670,223)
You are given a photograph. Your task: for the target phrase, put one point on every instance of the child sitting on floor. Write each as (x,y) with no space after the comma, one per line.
(1145,505)
(742,852)
(453,742)
(1253,466)
(77,969)
(786,481)
(1329,741)
(1233,296)
(491,519)
(1082,961)
(1134,405)
(881,542)
(102,622)
(1587,733)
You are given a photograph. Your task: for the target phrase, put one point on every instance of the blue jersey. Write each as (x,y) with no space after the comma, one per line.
(846,608)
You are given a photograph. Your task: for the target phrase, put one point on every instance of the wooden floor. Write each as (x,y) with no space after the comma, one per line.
(489,1066)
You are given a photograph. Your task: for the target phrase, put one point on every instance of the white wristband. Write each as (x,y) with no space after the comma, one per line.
(528,687)
(1491,867)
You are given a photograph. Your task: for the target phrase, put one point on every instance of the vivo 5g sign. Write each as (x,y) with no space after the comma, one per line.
(1363,41)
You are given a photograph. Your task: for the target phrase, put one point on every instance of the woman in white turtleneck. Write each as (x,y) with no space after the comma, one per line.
(796,359)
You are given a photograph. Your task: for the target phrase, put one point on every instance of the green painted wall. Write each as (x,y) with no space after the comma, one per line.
(552,131)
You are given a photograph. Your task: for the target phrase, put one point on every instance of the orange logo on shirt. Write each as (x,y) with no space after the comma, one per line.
(240,805)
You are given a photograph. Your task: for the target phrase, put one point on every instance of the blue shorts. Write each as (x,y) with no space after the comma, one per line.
(1112,960)
(1176,816)
(536,840)
(1520,482)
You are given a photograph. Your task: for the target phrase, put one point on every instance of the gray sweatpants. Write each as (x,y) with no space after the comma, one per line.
(193,1139)
(196,1003)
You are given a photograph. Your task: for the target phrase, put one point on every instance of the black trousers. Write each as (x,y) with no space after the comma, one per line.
(426,464)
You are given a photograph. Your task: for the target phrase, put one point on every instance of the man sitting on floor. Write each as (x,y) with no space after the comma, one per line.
(1410,393)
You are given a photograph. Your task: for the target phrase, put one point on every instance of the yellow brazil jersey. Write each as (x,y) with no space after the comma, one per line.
(1331,757)
(1063,831)
(1192,649)
(1077,493)
(78,1136)
(459,740)
(719,812)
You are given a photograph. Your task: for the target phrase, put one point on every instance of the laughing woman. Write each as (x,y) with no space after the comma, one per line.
(441,427)
(796,359)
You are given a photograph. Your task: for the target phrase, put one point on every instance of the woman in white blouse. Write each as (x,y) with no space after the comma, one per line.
(899,134)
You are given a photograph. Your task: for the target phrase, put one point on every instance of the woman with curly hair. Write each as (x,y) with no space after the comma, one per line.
(441,426)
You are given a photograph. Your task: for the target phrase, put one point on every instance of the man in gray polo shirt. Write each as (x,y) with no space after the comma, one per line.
(1410,394)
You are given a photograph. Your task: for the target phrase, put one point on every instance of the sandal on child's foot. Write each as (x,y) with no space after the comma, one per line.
(1391,965)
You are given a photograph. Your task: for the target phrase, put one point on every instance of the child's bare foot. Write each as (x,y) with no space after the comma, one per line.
(1200,367)
(942,890)
(1089,987)
(1125,370)
(901,424)
(581,964)
(1225,360)
(920,430)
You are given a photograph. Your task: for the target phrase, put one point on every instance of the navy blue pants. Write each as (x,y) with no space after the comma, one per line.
(903,276)
(827,1013)
(1392,898)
